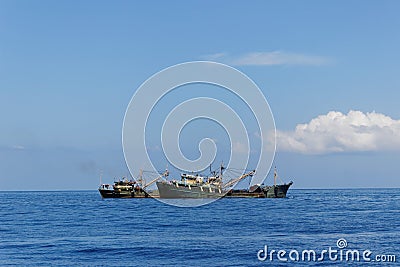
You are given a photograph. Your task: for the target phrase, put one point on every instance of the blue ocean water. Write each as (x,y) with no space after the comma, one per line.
(79,228)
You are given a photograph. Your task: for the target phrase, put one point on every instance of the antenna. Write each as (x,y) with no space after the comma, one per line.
(140,178)
(221,170)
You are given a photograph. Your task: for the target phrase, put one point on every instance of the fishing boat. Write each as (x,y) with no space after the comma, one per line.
(196,186)
(262,191)
(128,189)
(122,189)
(192,186)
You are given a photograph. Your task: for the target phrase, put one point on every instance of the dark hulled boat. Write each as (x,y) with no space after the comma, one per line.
(262,191)
(257,191)
(129,189)
(122,189)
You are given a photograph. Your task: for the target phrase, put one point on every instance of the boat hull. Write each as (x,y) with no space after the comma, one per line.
(108,193)
(277,191)
(170,190)
(244,193)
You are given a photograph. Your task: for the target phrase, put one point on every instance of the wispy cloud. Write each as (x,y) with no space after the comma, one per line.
(216,56)
(338,132)
(269,59)
(238,147)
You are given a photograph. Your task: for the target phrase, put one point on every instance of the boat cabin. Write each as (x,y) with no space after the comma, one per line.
(191,179)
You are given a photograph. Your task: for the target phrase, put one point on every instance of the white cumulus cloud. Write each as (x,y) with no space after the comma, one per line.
(338,132)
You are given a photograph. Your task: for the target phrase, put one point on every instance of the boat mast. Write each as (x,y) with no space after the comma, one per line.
(275,175)
(221,170)
(140,178)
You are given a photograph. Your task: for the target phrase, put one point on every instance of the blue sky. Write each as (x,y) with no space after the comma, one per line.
(68,70)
